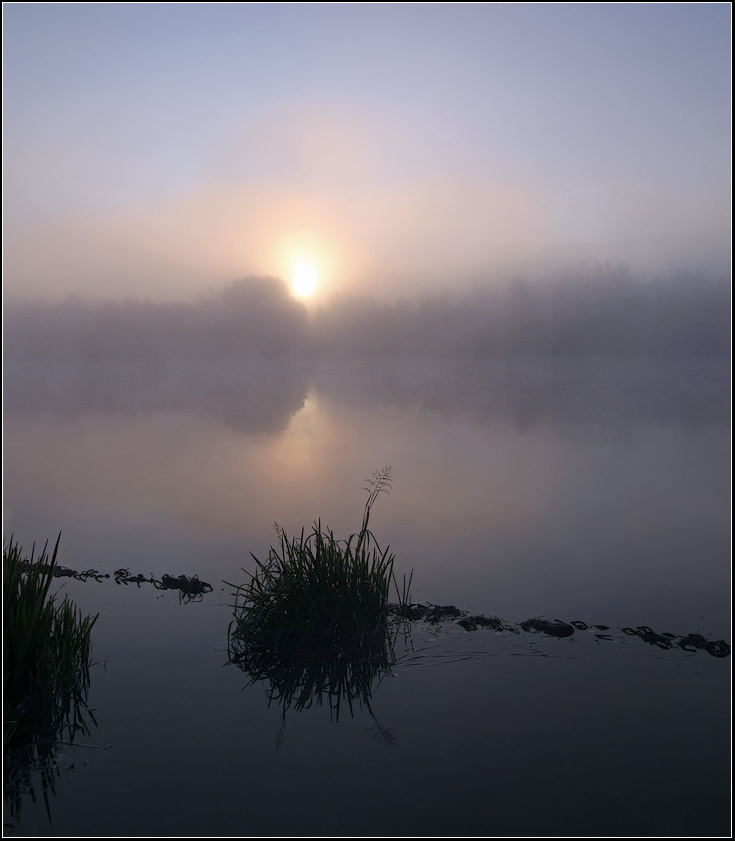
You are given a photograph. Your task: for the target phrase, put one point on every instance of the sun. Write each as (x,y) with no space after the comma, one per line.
(304,277)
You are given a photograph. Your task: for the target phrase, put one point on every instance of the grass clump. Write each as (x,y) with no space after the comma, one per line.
(46,659)
(313,618)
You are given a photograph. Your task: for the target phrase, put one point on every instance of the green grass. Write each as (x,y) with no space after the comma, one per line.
(313,617)
(46,659)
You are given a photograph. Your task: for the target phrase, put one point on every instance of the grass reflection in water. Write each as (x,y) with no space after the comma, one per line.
(313,620)
(46,660)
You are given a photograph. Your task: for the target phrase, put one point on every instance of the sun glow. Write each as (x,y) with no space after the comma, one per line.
(304,276)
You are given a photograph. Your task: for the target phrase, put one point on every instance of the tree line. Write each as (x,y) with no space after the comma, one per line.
(604,312)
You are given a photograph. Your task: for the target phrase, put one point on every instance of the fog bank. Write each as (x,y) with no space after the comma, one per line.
(605,312)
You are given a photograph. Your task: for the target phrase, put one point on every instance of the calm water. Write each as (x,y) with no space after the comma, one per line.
(589,491)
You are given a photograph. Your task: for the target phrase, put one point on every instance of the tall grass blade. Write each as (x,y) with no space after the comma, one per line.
(46,660)
(312,620)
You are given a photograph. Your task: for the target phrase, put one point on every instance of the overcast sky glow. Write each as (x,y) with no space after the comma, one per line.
(162,149)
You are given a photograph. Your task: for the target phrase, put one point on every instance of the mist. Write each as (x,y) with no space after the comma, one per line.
(601,312)
(600,347)
(254,253)
(442,149)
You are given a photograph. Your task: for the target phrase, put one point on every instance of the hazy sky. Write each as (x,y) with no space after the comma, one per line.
(164,149)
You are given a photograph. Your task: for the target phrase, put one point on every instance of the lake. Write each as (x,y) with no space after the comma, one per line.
(594,491)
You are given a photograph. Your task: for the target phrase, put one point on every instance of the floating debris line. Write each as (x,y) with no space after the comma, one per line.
(557,628)
(193,589)
(190,588)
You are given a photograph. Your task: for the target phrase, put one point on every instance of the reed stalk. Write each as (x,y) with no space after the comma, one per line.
(315,600)
(46,660)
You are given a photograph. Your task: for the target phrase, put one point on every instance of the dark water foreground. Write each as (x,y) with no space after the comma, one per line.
(593,491)
(502,731)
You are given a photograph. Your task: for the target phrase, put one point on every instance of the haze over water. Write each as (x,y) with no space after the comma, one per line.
(601,498)
(253,253)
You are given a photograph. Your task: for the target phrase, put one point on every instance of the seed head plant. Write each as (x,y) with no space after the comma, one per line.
(313,618)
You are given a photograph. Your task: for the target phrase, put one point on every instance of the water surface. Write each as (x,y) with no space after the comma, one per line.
(595,491)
